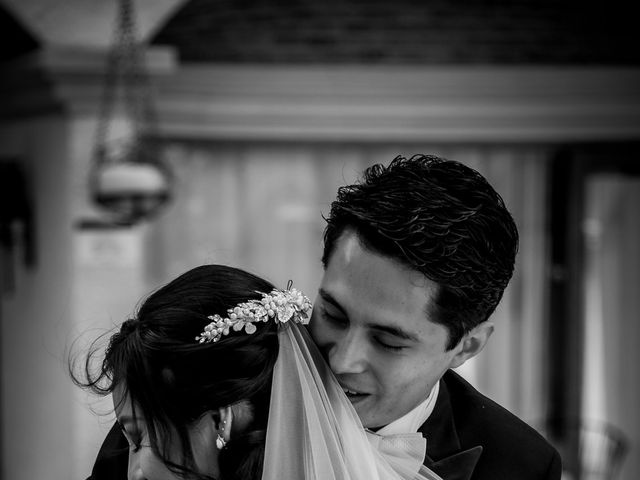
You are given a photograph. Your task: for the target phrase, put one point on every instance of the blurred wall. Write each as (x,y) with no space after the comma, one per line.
(38,312)
(611,384)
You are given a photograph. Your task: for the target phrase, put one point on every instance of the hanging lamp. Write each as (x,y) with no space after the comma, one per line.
(129,180)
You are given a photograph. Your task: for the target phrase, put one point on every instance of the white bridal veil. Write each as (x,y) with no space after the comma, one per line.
(313,431)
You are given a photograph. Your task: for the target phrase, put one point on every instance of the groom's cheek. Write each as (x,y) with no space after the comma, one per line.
(320,333)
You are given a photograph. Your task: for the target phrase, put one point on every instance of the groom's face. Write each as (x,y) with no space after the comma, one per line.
(371,321)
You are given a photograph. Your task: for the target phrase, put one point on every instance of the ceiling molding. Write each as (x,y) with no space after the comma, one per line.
(340,103)
(452,104)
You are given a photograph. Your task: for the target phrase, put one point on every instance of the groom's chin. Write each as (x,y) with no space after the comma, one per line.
(362,407)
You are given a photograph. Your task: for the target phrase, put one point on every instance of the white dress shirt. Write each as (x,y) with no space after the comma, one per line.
(413,420)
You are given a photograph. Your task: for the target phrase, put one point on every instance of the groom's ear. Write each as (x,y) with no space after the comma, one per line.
(472,343)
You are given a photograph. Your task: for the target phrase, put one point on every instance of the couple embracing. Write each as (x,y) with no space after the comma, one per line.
(221,375)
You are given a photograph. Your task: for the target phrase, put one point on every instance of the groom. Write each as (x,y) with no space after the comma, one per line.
(416,258)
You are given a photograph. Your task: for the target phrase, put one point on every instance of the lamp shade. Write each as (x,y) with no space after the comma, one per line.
(130,188)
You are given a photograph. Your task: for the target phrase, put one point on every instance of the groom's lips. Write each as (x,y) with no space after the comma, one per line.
(353,393)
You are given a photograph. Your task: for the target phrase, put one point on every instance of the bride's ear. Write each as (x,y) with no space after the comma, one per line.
(242,415)
(224,422)
(233,419)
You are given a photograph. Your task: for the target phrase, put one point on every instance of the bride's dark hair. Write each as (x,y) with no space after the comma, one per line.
(173,380)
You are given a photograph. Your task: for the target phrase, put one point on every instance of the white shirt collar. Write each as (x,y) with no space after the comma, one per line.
(412,421)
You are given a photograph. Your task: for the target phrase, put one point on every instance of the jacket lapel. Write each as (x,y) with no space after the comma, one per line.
(458,466)
(444,452)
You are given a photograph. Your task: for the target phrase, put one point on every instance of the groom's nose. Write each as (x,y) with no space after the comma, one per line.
(348,354)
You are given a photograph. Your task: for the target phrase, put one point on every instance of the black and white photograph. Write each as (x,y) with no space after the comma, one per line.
(319,240)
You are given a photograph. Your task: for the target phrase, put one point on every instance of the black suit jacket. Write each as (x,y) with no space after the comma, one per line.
(469,437)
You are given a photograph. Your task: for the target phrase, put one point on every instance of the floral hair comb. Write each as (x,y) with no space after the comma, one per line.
(281,305)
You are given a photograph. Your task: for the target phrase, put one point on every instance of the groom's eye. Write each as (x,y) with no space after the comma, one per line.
(333,319)
(387,346)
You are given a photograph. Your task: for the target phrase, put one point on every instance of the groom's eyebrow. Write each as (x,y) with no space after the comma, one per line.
(396,332)
(326,296)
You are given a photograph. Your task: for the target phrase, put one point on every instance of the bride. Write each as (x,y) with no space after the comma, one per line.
(217,378)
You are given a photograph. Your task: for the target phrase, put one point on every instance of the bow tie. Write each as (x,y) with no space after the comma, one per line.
(407,449)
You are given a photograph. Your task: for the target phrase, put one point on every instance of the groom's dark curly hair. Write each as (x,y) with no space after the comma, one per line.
(438,217)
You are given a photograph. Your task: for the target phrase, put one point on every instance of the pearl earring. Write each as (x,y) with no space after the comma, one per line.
(220,441)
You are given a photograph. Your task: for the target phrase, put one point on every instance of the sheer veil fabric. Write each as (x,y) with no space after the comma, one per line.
(313,431)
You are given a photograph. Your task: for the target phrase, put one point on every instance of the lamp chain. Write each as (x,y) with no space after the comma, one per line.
(126,83)
(128,176)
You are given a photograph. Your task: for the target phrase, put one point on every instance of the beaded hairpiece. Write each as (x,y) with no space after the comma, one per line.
(281,305)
